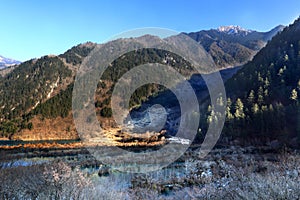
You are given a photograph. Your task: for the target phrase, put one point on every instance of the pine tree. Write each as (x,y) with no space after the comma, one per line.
(220,102)
(211,117)
(267,83)
(239,109)
(255,108)
(251,97)
(266,93)
(294,95)
(229,115)
(260,97)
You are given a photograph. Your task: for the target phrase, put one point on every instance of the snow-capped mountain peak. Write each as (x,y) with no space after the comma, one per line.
(5,62)
(234,30)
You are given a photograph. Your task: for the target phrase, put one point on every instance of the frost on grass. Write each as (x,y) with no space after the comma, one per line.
(224,174)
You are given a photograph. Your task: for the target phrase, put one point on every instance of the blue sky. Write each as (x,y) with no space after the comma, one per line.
(33,28)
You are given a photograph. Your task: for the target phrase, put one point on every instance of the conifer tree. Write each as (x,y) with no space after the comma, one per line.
(239,109)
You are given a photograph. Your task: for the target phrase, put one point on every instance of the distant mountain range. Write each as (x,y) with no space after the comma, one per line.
(6,62)
(233,45)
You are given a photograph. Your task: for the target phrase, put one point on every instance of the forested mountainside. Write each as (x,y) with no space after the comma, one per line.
(36,96)
(263,97)
(40,91)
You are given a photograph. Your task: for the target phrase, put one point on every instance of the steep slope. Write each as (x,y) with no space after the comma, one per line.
(233,45)
(264,100)
(32,83)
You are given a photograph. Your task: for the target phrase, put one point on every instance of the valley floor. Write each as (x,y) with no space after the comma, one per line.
(226,173)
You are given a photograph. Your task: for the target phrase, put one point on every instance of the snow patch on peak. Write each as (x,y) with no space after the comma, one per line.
(233,30)
(5,62)
(1,59)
